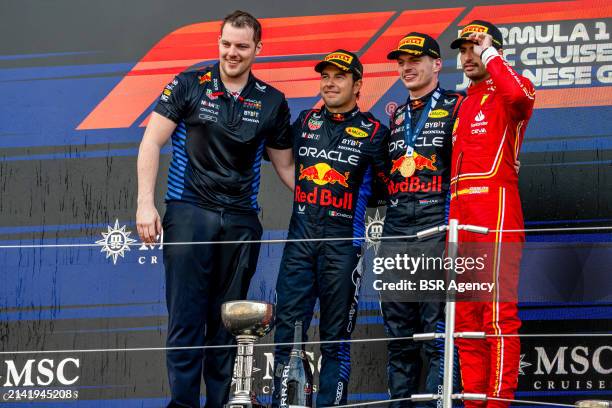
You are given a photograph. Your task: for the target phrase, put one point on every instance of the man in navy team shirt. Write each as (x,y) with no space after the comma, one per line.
(220,119)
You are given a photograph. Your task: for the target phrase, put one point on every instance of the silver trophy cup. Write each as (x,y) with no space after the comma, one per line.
(247,321)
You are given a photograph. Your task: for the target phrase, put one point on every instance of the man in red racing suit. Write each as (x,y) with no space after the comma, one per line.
(484,192)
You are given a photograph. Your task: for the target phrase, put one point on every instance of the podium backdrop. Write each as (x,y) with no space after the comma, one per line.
(78,83)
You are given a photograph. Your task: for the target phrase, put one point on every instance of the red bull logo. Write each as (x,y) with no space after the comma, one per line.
(338,117)
(397,164)
(323,173)
(420,162)
(415,185)
(207,77)
(325,198)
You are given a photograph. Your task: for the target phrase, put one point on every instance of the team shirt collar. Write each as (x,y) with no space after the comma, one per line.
(480,87)
(217,84)
(340,117)
(419,103)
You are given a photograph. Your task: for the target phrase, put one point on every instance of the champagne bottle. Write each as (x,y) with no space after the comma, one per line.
(296,383)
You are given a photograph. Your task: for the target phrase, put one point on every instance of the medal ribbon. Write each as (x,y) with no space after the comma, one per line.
(411,135)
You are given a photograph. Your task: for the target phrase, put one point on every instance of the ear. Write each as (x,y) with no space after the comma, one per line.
(258,48)
(500,52)
(357,86)
(437,65)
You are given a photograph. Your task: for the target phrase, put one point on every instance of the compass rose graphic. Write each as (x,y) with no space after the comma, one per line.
(374,229)
(115,242)
(523,364)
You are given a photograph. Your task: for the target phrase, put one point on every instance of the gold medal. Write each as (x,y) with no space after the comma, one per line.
(407,167)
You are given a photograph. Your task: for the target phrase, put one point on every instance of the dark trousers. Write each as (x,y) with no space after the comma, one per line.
(331,272)
(199,278)
(404,319)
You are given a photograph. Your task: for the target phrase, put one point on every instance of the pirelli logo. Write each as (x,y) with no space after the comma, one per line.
(339,56)
(474,28)
(412,40)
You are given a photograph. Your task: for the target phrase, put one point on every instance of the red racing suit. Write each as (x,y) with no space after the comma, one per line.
(484,191)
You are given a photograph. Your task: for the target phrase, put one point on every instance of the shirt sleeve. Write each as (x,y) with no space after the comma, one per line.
(381,154)
(380,164)
(517,90)
(173,101)
(296,128)
(280,136)
(460,97)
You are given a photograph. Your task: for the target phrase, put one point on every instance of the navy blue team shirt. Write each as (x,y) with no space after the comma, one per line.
(220,138)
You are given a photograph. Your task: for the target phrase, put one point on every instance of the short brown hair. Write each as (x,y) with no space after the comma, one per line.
(242,19)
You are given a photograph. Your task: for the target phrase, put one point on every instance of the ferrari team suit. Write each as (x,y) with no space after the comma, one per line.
(213,182)
(417,202)
(336,156)
(484,189)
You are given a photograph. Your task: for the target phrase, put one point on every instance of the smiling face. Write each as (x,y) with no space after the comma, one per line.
(237,51)
(418,73)
(338,89)
(472,65)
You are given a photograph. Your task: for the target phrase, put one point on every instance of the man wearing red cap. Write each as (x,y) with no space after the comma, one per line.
(484,191)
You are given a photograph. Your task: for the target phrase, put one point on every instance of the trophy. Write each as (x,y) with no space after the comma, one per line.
(247,321)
